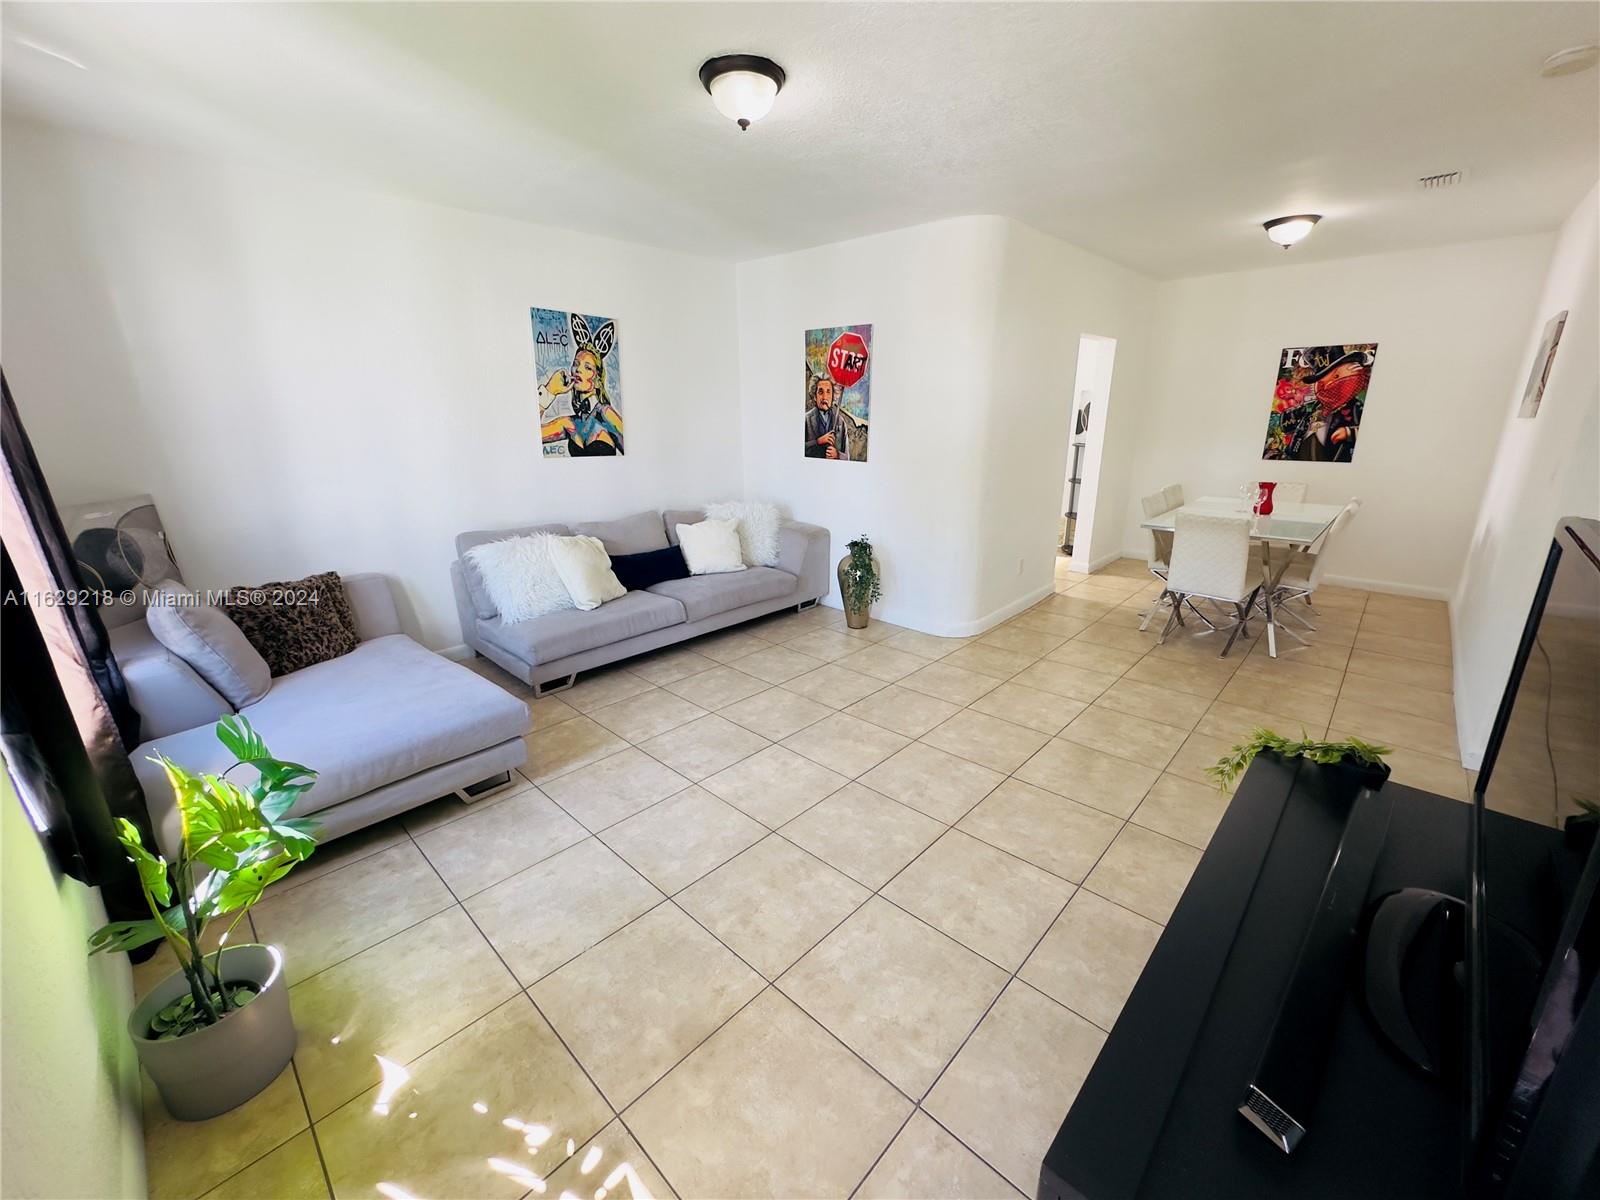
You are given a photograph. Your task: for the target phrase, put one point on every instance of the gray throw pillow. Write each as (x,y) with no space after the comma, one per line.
(204,637)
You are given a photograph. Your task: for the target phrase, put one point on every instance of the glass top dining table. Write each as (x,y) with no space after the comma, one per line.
(1289,524)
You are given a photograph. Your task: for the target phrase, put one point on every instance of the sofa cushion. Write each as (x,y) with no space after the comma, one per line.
(674,517)
(707,595)
(385,711)
(559,634)
(204,637)
(627,535)
(295,623)
(481,604)
(639,571)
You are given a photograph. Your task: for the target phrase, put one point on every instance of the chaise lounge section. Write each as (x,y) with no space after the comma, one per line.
(555,648)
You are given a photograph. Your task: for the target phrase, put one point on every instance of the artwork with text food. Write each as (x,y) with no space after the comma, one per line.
(838,392)
(1316,408)
(580,384)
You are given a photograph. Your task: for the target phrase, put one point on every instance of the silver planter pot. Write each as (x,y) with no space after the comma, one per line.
(205,1073)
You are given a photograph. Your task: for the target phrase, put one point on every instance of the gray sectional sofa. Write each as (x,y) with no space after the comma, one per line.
(554,648)
(389,726)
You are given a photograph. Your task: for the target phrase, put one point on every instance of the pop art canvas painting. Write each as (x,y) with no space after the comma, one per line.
(579,369)
(838,392)
(1317,404)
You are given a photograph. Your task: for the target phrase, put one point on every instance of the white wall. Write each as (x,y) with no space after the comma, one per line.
(1544,468)
(308,377)
(69,1094)
(1451,328)
(975,336)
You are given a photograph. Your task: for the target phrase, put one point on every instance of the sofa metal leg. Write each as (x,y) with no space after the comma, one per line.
(541,690)
(805,604)
(474,792)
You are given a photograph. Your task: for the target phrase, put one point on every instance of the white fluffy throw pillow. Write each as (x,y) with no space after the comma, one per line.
(711,547)
(521,577)
(758,529)
(585,569)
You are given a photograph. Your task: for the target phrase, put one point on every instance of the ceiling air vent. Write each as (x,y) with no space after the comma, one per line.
(1447,179)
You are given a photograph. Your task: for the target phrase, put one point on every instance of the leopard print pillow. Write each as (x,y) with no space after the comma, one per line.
(295,624)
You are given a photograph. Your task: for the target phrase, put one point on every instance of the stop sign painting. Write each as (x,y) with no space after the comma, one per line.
(838,392)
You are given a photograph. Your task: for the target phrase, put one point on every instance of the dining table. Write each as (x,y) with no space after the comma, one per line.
(1291,525)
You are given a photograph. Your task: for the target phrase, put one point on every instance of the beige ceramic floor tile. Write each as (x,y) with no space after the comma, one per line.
(1292,672)
(1285,699)
(647,714)
(1107,660)
(1419,627)
(952,683)
(1034,643)
(776,664)
(550,710)
(1191,678)
(1026,706)
(445,809)
(827,644)
(1049,831)
(669,666)
(185,1158)
(749,1113)
(843,744)
(833,685)
(487,846)
(933,781)
(334,855)
(986,899)
(728,647)
(291,1172)
(1236,722)
(1154,703)
(1092,957)
(719,686)
(1110,632)
(1086,608)
(775,785)
(1183,809)
(903,711)
(1387,727)
(900,994)
(1075,683)
(876,630)
(541,917)
(1144,871)
(989,660)
(340,914)
(882,662)
(605,686)
(927,1163)
(1198,752)
(1408,671)
(565,747)
(642,999)
(1049,622)
(496,1106)
(772,903)
(1426,771)
(978,737)
(685,836)
(1148,743)
(611,1166)
(1386,693)
(867,836)
(704,747)
(1436,653)
(1103,781)
(396,1000)
(925,645)
(615,788)
(775,713)
(1009,1089)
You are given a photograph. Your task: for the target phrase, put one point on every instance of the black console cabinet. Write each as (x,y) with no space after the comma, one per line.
(1157,1116)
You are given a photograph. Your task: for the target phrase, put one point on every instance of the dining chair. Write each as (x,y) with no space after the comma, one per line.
(1172,494)
(1160,540)
(1211,561)
(1291,493)
(1305,570)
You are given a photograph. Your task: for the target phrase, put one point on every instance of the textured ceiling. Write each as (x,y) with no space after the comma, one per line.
(1159,135)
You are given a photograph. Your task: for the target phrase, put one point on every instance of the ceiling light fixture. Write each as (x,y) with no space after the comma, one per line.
(742,86)
(1570,61)
(1286,231)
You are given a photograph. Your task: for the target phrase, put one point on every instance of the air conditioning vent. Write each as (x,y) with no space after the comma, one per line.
(1447,179)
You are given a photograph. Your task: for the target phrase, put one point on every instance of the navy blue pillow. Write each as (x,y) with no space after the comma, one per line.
(639,571)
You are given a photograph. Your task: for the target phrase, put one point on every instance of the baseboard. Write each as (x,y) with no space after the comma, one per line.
(922,623)
(1105,560)
(1390,588)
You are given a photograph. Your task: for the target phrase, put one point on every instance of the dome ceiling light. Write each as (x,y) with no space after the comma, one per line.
(1286,231)
(742,86)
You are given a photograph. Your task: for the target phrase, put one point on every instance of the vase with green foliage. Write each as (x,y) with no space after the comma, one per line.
(1352,753)
(218,1030)
(858,582)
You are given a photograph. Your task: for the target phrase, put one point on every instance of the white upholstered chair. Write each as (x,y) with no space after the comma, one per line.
(1304,573)
(1173,496)
(1160,541)
(1211,560)
(1290,493)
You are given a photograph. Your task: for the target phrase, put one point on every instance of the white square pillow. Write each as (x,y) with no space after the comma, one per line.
(585,569)
(711,547)
(758,529)
(521,577)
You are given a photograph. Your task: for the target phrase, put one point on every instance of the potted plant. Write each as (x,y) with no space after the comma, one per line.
(219,1030)
(858,582)
(1354,754)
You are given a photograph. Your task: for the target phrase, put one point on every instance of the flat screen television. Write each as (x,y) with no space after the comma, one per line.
(1533,1076)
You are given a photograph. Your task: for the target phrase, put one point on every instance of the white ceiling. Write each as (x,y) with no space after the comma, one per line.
(1159,135)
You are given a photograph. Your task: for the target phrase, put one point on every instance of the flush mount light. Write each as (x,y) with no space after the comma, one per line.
(742,86)
(1570,61)
(1286,231)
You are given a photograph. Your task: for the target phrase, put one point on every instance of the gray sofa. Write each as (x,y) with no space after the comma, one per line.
(554,648)
(389,726)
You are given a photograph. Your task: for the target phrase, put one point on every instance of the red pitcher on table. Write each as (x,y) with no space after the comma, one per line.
(1263,505)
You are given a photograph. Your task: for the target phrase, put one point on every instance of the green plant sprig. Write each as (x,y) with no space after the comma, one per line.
(1234,763)
(863,587)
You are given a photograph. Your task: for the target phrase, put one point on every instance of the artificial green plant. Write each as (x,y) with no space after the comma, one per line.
(862,586)
(1232,764)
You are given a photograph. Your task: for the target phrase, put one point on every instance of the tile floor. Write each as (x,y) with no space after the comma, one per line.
(795,910)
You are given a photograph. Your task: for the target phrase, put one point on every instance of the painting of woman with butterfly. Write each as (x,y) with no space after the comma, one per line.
(580,384)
